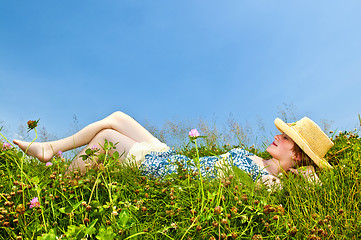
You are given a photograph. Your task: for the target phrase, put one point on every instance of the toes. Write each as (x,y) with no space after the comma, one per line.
(16,142)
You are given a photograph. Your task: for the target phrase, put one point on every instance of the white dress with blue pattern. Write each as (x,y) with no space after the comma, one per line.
(160,164)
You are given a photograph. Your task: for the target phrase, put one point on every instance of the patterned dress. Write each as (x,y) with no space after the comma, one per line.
(160,164)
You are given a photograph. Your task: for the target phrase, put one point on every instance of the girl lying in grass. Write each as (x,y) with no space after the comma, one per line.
(301,143)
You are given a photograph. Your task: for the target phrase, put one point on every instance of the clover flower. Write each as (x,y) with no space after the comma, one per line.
(6,145)
(20,209)
(218,210)
(48,164)
(193,133)
(174,225)
(59,154)
(34,202)
(32,124)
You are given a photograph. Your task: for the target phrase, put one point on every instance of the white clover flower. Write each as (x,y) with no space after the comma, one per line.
(127,204)
(139,202)
(174,225)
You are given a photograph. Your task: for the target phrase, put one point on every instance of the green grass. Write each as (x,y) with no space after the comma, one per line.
(112,202)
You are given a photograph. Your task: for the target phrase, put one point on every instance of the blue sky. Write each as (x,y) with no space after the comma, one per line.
(164,60)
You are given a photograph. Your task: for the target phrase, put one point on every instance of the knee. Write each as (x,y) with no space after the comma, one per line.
(105,133)
(119,116)
(113,118)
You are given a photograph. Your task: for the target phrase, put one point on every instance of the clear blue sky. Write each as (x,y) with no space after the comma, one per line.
(164,60)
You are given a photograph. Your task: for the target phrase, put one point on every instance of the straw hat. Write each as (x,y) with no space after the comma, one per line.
(309,137)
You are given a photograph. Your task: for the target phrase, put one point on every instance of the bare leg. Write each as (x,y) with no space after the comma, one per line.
(117,121)
(123,147)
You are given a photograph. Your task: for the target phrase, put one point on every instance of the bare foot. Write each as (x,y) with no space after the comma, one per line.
(41,151)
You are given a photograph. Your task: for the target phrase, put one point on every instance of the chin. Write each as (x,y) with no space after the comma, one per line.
(268,149)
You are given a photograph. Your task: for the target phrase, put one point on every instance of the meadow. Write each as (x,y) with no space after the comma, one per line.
(37,201)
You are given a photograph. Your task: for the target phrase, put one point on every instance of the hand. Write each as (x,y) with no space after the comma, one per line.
(271,181)
(307,172)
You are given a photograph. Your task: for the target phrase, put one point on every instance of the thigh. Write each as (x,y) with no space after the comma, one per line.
(122,143)
(127,126)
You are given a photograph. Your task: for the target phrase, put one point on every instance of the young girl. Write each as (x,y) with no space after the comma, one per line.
(301,143)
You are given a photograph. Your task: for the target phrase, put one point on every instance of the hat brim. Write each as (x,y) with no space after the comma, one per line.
(285,128)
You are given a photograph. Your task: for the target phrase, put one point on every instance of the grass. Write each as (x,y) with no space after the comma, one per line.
(112,202)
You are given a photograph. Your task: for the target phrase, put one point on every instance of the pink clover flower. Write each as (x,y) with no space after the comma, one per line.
(193,133)
(6,145)
(60,154)
(34,202)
